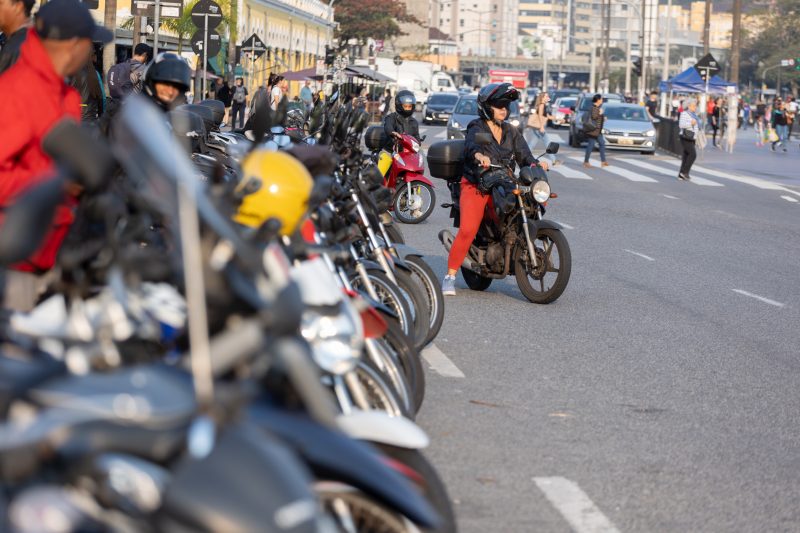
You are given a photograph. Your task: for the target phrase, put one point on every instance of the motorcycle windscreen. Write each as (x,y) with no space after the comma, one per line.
(248,483)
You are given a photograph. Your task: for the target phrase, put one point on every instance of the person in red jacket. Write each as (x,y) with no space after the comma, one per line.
(57,46)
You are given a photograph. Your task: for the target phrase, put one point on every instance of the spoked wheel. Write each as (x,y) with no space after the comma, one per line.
(415,207)
(418,303)
(545,282)
(401,348)
(381,396)
(385,359)
(395,234)
(432,288)
(475,281)
(353,511)
(390,295)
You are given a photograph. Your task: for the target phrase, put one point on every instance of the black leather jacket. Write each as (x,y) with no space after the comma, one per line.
(512,150)
(395,122)
(91,106)
(9,53)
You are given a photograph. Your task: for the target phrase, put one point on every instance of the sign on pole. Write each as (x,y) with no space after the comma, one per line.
(206,15)
(210,44)
(206,8)
(168,9)
(254,45)
(707,67)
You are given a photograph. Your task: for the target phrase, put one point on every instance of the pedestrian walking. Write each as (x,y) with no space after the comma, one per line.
(238,103)
(715,119)
(15,16)
(791,115)
(758,121)
(90,87)
(746,114)
(779,122)
(689,132)
(386,106)
(57,46)
(652,104)
(593,129)
(537,120)
(128,76)
(224,95)
(307,96)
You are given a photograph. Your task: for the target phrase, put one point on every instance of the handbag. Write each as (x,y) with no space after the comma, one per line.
(772,135)
(687,134)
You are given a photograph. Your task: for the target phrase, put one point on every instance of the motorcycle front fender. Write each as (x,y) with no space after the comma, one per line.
(404,250)
(416,176)
(536,225)
(335,456)
(379,427)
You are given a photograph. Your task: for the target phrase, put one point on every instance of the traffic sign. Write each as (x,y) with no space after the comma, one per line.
(707,66)
(203,8)
(169,9)
(254,45)
(213,39)
(398,60)
(787,62)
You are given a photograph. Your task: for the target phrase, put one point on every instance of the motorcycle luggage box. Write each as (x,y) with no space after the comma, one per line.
(446,160)
(206,113)
(375,138)
(217,109)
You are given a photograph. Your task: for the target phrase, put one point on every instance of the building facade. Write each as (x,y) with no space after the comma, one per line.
(479,28)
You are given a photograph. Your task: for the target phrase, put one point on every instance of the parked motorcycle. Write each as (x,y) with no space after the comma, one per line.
(513,238)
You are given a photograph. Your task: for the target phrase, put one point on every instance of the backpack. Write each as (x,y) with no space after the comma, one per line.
(119,80)
(239,94)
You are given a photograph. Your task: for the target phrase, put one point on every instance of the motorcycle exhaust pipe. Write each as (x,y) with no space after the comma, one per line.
(447,239)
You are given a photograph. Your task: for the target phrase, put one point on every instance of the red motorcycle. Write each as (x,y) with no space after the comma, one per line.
(414,198)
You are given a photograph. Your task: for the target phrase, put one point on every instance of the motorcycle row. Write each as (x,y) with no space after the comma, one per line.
(233,340)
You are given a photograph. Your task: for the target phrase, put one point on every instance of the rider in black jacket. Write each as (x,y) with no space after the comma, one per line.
(402,120)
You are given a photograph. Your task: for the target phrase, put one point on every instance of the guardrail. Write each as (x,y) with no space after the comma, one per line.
(667,139)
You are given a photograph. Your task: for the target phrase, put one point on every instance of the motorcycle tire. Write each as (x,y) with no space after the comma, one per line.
(523,271)
(395,234)
(432,287)
(475,281)
(418,302)
(401,200)
(387,362)
(348,507)
(388,294)
(409,359)
(381,396)
(432,487)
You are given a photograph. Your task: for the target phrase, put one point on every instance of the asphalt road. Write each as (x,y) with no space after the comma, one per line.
(660,393)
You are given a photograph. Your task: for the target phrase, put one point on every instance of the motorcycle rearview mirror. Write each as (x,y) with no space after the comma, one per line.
(483,138)
(86,159)
(552,148)
(27,220)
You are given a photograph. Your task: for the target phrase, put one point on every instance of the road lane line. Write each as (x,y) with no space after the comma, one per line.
(669,172)
(555,137)
(571,172)
(790,199)
(563,225)
(639,255)
(759,298)
(440,362)
(670,197)
(622,172)
(574,505)
(755,182)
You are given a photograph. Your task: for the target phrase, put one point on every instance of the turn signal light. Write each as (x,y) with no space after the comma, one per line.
(516,192)
(553,195)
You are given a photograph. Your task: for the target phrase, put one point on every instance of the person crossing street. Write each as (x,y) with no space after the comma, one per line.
(593,129)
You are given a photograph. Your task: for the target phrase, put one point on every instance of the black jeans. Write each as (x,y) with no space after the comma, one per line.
(689,155)
(237,109)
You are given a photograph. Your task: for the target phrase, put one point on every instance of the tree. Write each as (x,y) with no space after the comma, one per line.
(377,19)
(775,40)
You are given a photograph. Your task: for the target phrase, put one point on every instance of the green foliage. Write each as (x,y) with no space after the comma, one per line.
(776,41)
(377,19)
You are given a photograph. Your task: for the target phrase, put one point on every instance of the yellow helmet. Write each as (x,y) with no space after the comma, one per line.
(281,187)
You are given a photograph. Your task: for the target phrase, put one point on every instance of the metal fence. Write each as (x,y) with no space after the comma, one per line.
(667,138)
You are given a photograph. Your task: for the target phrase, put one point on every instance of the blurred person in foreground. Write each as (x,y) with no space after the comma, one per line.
(15,18)
(57,46)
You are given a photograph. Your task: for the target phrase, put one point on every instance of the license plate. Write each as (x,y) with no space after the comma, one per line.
(626,142)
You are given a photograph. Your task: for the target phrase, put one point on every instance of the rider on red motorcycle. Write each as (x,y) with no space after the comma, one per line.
(402,120)
(508,145)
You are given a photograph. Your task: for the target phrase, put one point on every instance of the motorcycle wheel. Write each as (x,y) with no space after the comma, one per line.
(431,485)
(402,348)
(352,510)
(401,200)
(381,396)
(395,234)
(475,281)
(385,359)
(418,303)
(531,281)
(424,275)
(390,295)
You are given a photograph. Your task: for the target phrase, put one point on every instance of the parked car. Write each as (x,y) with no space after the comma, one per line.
(583,105)
(439,107)
(562,110)
(466,111)
(629,127)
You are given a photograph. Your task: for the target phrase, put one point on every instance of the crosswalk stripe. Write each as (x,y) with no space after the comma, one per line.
(567,172)
(669,172)
(627,174)
(755,182)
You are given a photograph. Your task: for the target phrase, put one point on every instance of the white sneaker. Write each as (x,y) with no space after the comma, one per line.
(449,286)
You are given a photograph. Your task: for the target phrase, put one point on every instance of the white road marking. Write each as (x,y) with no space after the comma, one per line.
(571,173)
(759,298)
(639,255)
(565,226)
(440,362)
(555,137)
(670,197)
(574,505)
(669,172)
(627,174)
(790,199)
(755,182)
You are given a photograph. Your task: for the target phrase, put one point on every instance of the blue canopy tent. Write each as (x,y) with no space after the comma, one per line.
(689,81)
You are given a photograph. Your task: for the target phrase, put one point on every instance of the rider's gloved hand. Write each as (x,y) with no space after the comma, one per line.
(543,163)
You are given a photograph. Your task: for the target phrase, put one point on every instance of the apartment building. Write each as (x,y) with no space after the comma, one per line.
(558,25)
(479,27)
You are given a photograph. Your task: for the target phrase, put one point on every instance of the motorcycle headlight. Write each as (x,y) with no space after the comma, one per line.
(399,159)
(336,340)
(415,146)
(541,191)
(515,123)
(650,133)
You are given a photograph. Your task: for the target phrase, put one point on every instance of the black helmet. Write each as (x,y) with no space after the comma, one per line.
(405,97)
(170,68)
(495,95)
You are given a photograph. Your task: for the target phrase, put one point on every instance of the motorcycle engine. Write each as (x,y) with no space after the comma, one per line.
(494,257)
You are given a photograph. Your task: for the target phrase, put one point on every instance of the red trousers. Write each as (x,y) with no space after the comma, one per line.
(473,204)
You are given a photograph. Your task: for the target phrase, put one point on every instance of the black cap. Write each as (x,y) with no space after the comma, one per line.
(60,20)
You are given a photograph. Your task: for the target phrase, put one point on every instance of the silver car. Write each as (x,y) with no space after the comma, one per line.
(466,111)
(629,127)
